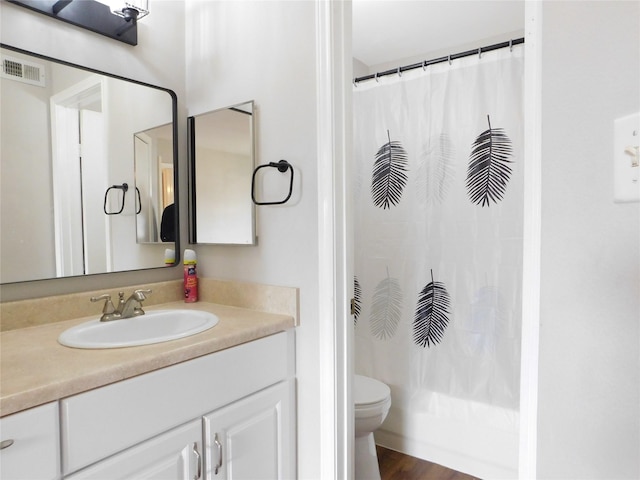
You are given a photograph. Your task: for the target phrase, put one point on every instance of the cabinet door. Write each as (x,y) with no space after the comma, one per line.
(171,456)
(30,444)
(253,438)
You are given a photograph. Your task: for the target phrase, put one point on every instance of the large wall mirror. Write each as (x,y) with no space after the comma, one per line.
(87,164)
(222,163)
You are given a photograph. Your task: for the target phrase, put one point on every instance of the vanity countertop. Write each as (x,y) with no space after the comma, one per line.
(36,369)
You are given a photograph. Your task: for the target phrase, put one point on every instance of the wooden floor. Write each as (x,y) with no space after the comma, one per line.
(398,466)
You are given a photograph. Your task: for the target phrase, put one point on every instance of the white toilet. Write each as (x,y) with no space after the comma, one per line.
(372,400)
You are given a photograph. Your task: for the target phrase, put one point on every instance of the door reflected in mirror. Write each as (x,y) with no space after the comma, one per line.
(154,185)
(222,163)
(69,193)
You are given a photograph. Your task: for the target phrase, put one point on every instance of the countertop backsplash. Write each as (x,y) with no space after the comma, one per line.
(253,296)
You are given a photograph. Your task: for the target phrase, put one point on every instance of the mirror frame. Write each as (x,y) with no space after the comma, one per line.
(191,139)
(174,121)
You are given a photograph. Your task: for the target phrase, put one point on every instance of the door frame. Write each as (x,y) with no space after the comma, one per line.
(335,249)
(529,355)
(64,107)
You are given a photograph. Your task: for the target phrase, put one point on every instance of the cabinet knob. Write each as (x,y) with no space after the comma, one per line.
(5,444)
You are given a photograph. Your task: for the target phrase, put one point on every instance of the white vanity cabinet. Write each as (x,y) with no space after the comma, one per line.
(31,447)
(152,426)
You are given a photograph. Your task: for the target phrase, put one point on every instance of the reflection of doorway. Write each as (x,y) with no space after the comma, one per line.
(146,171)
(80,178)
(154,180)
(167,184)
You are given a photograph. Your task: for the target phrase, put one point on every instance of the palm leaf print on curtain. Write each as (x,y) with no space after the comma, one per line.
(489,170)
(357,296)
(389,174)
(386,308)
(436,171)
(431,318)
(487,318)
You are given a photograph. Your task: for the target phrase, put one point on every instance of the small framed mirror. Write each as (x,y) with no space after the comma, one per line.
(222,159)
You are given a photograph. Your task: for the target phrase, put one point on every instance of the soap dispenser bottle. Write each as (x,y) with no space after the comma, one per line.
(190,277)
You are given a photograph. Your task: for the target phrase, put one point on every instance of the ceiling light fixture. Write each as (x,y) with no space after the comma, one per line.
(129,10)
(116,19)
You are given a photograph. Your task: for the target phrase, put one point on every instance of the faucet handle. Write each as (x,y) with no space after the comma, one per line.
(141,295)
(108,305)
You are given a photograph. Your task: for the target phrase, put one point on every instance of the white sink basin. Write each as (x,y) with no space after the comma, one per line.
(152,327)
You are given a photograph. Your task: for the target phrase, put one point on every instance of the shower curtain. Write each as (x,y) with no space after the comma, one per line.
(438,205)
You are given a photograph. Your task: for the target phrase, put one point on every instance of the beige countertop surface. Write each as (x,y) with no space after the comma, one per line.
(35,369)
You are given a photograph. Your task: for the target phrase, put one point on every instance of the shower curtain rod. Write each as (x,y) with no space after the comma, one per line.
(448,58)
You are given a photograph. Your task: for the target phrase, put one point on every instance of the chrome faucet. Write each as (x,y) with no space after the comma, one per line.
(132,307)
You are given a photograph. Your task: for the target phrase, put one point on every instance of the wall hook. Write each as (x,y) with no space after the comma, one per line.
(282,167)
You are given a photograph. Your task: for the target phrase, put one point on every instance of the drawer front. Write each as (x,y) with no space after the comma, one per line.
(35,451)
(107,420)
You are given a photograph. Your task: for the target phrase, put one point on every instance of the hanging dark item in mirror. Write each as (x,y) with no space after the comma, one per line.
(168,224)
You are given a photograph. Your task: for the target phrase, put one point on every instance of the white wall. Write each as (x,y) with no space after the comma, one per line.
(266,51)
(589,372)
(26,226)
(158,59)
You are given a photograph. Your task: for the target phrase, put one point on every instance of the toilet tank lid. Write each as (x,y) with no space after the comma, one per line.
(368,390)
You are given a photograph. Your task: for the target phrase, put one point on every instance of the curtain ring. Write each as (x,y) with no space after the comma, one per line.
(511,45)
(376,77)
(449,57)
(355,84)
(399,72)
(424,66)
(480,53)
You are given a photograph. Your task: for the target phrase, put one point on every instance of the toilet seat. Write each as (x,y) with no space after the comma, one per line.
(369,392)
